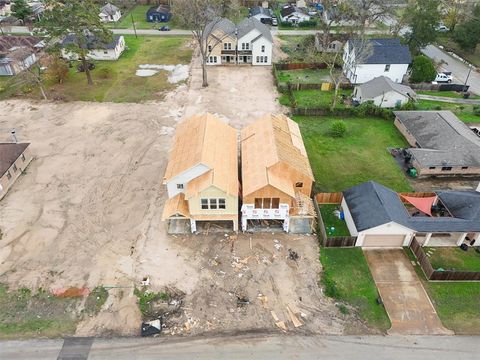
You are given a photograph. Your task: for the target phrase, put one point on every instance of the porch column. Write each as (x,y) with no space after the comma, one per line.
(427,239)
(477,240)
(461,239)
(193,225)
(244,223)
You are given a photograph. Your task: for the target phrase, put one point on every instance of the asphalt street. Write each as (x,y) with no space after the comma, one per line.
(251,346)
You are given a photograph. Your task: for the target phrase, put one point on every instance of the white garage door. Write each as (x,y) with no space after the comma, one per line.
(383,240)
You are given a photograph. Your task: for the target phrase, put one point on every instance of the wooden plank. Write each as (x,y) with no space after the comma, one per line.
(296,322)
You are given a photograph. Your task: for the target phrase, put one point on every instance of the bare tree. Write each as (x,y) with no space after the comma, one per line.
(202,18)
(365,12)
(31,73)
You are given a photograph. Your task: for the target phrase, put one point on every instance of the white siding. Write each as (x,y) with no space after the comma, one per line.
(366,72)
(348,219)
(257,52)
(387,100)
(100,54)
(184,178)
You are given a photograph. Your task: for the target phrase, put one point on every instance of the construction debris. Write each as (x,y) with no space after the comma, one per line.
(293,255)
(277,245)
(296,322)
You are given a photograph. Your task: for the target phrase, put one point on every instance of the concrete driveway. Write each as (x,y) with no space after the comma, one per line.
(406,301)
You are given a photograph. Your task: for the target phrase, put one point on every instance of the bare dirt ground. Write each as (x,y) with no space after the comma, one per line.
(87,213)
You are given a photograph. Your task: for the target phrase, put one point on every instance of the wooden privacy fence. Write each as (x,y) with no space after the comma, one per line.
(329,198)
(341,241)
(444,275)
(322,233)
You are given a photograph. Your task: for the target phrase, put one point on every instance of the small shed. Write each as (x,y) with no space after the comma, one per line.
(159,13)
(384,92)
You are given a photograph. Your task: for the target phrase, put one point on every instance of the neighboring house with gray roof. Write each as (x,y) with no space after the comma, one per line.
(98,50)
(14,158)
(384,92)
(248,43)
(110,13)
(261,14)
(364,60)
(441,143)
(378,217)
(18,53)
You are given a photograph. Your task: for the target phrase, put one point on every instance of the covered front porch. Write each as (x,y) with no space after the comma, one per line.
(448,239)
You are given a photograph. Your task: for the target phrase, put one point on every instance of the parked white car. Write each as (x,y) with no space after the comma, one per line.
(442,28)
(444,77)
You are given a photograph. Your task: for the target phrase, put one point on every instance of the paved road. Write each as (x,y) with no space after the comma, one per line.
(457,67)
(253,346)
(408,306)
(177,32)
(449,99)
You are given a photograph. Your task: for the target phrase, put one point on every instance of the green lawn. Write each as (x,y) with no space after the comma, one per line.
(456,302)
(330,220)
(39,314)
(304,76)
(140,18)
(347,278)
(453,258)
(451,45)
(122,85)
(462,111)
(361,155)
(450,94)
(318,99)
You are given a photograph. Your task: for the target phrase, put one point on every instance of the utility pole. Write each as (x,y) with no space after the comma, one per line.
(134,28)
(468,75)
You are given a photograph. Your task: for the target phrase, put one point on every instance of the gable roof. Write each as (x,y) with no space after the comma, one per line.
(272,140)
(260,10)
(109,9)
(443,140)
(205,139)
(9,153)
(384,51)
(249,24)
(381,85)
(372,205)
(7,42)
(223,24)
(165,9)
(92,42)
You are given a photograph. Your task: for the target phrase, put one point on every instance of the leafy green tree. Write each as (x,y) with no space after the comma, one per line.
(21,10)
(423,17)
(467,34)
(78,18)
(423,69)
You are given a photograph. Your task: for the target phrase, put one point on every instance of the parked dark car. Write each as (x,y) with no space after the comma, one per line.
(164,28)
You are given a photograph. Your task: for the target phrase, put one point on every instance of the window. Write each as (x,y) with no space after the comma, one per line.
(105,51)
(263,48)
(213,204)
(204,203)
(387,68)
(23,157)
(432,167)
(258,203)
(247,46)
(221,204)
(265,59)
(209,48)
(299,184)
(464,167)
(267,203)
(275,203)
(179,186)
(446,168)
(9,176)
(15,168)
(227,46)
(258,59)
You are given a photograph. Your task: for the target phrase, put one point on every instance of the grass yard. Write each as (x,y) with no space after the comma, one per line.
(121,84)
(304,76)
(347,278)
(456,302)
(450,94)
(463,111)
(451,45)
(26,314)
(139,13)
(361,155)
(319,99)
(453,258)
(330,220)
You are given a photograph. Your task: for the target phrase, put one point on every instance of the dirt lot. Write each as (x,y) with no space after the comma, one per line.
(87,210)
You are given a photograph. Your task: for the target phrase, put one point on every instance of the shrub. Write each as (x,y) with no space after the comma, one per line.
(437,107)
(423,69)
(57,69)
(286,24)
(409,106)
(476,110)
(338,128)
(330,287)
(310,23)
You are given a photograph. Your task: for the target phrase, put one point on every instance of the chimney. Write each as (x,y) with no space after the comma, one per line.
(14,136)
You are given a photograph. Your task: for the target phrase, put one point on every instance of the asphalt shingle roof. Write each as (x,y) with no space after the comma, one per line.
(93,43)
(381,85)
(372,204)
(385,51)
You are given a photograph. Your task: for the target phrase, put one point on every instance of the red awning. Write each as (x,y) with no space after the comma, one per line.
(424,204)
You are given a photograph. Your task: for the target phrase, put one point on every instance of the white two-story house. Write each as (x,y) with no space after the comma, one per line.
(249,42)
(364,60)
